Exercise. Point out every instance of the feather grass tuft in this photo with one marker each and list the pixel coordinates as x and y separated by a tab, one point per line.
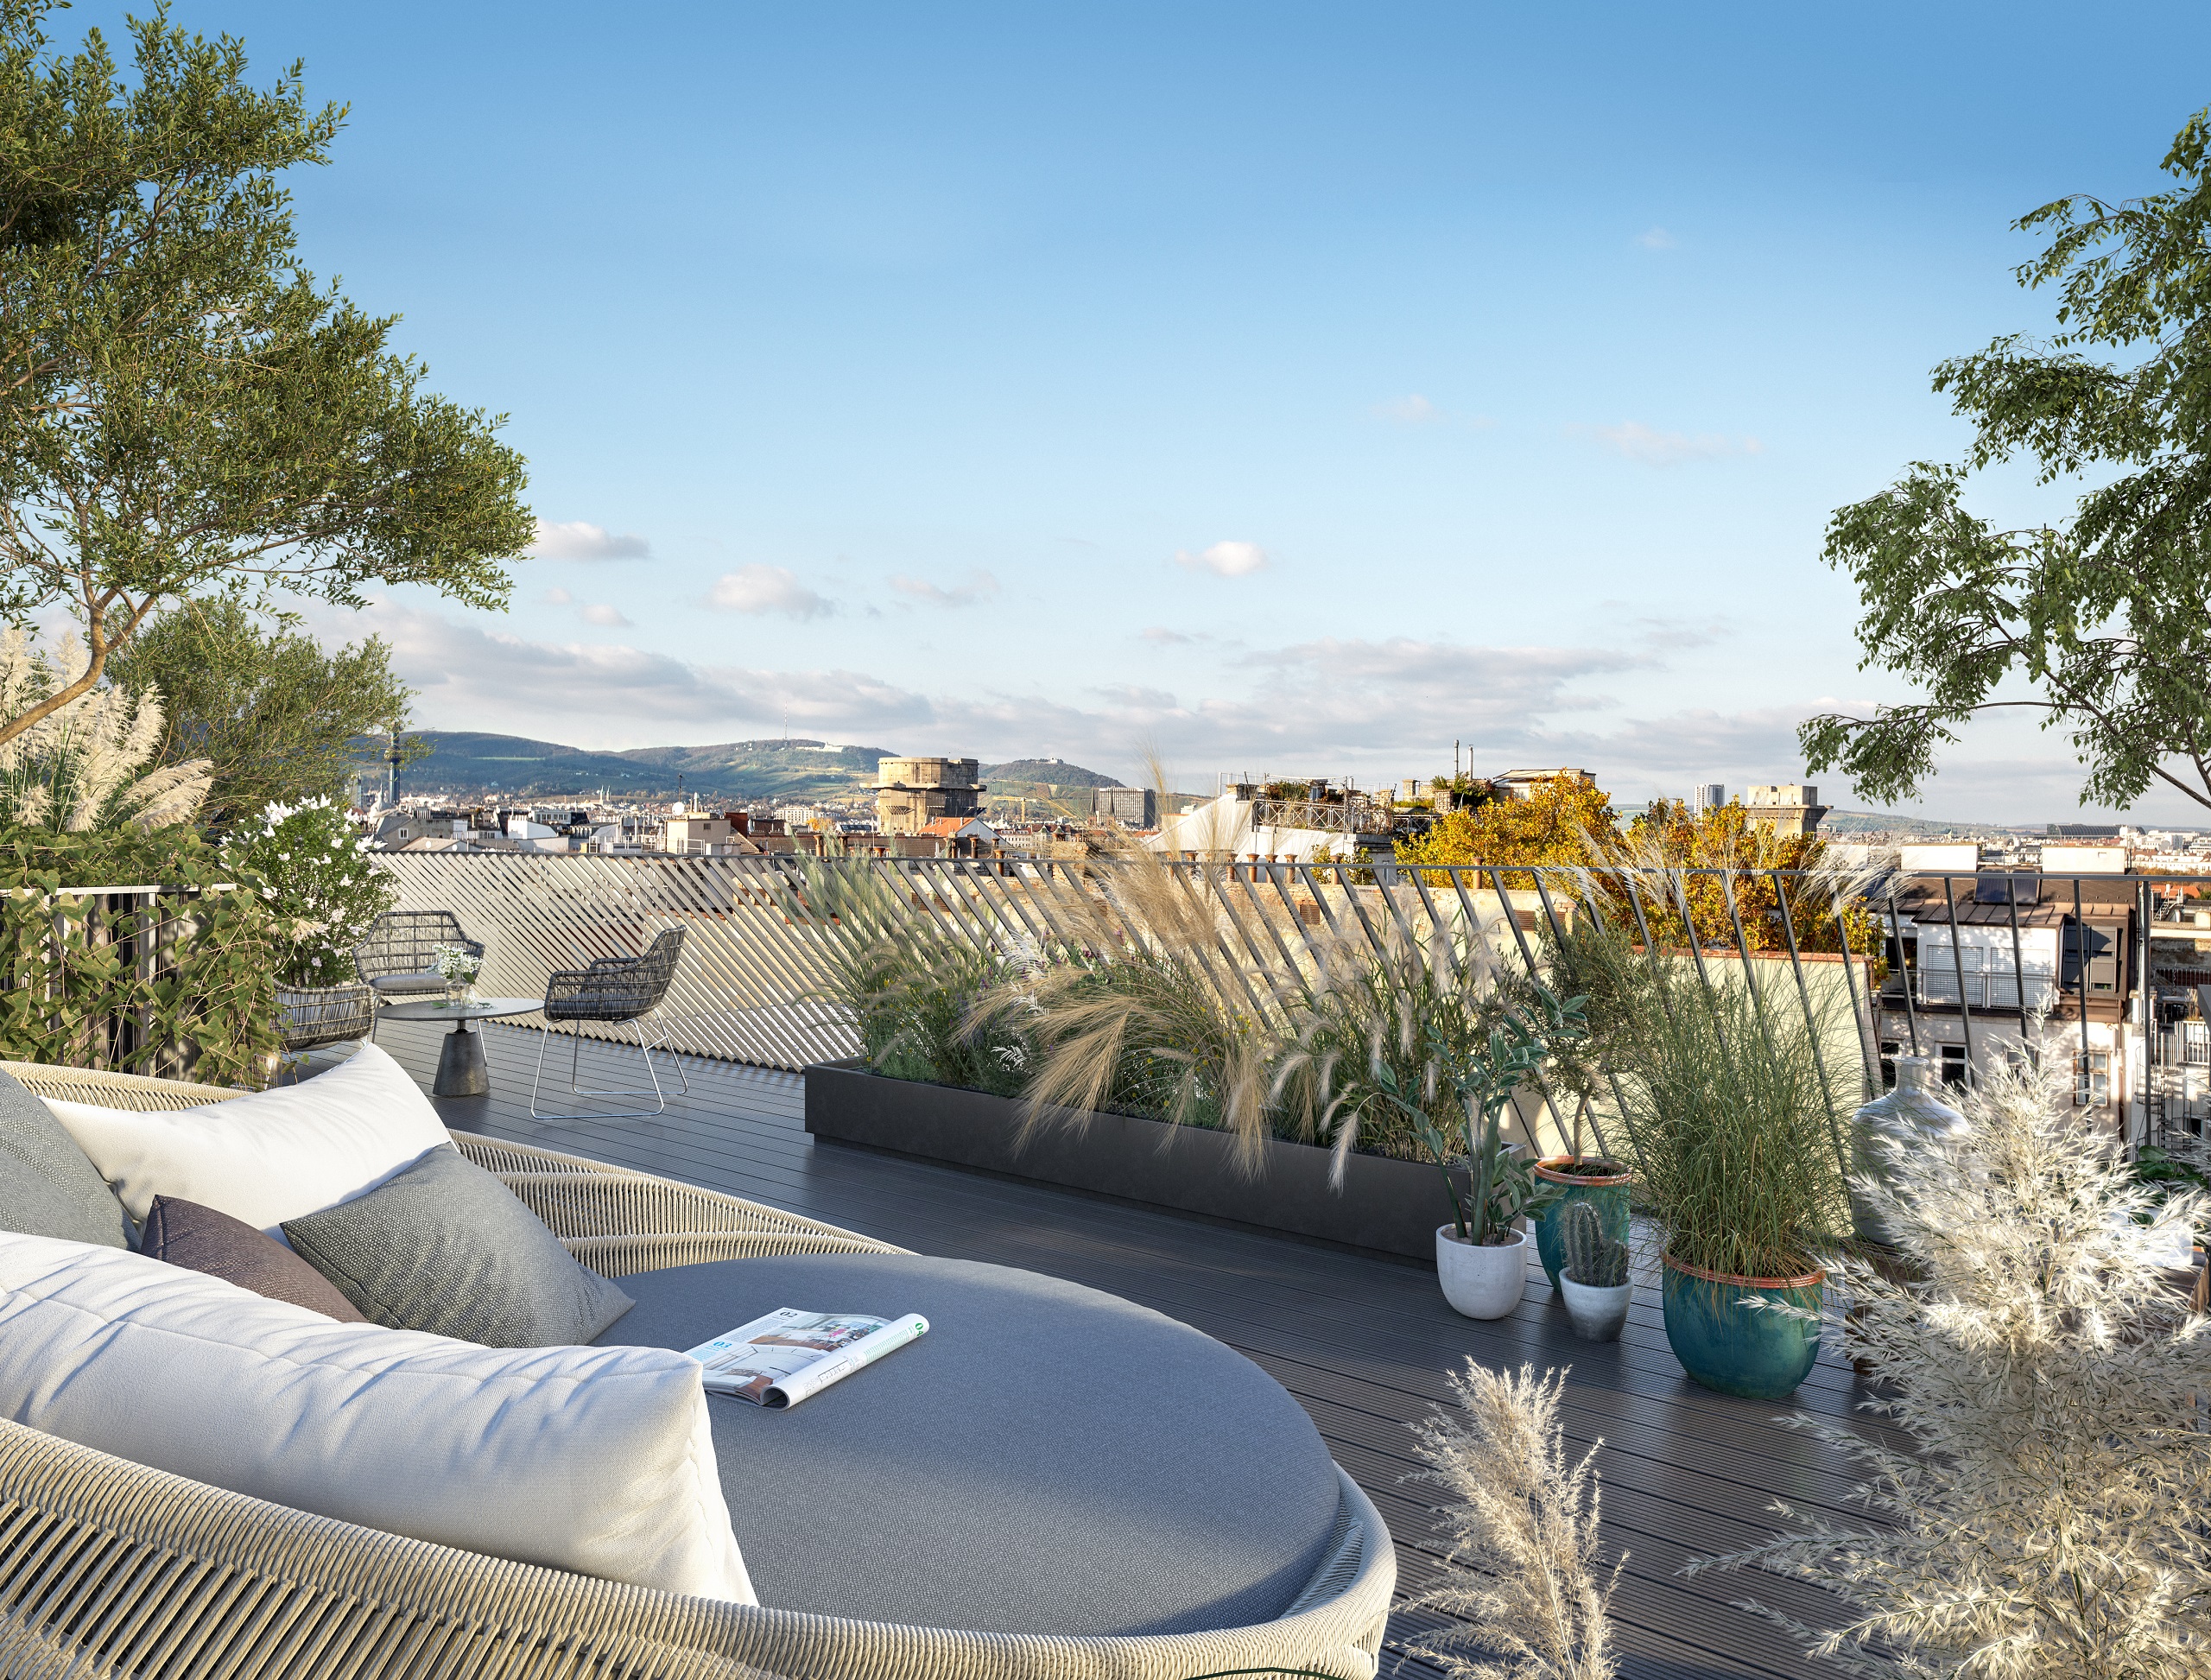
2051	1516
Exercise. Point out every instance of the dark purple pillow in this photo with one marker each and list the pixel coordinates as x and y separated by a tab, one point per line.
201	1240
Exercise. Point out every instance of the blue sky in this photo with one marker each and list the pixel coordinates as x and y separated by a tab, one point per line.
1288	389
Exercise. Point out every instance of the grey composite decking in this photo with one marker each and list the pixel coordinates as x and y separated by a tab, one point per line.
1364	1342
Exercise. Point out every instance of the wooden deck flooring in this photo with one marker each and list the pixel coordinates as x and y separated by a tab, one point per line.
1364	1342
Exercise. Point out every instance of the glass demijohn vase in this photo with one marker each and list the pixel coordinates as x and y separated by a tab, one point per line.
1911	1114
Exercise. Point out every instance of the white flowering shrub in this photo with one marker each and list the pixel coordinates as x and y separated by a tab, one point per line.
319	882
2049	1515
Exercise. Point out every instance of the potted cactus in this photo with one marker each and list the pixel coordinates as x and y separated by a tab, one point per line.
1594	1278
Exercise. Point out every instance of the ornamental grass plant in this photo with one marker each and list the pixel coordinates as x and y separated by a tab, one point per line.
82	765
1724	1115
2051	1515
906	983
1371	1033
1523	1527
1420	1039
1133	1008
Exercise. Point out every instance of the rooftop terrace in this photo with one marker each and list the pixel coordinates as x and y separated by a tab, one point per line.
1364	1342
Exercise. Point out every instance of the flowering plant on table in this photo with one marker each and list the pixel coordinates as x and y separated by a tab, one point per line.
458	967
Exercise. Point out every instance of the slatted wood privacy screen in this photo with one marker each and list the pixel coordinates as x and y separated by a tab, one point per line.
751	986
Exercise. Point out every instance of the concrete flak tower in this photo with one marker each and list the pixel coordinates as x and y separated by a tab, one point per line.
912	793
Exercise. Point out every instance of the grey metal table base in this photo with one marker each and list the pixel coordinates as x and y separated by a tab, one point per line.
461	1072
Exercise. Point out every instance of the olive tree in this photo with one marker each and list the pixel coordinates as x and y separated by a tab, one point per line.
185	410
2100	625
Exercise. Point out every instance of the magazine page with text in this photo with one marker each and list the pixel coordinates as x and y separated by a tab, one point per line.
782	1357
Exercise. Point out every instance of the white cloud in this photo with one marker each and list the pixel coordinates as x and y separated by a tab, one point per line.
1638	442
1227	560
558	597
1413	410
581	540
610	617
1166	638
758	589
1380	709
979	585
1656	238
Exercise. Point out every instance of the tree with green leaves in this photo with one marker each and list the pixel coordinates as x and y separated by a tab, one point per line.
2102	624
183	409
274	713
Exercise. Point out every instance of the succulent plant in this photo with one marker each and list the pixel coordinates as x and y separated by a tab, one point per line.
1593	1258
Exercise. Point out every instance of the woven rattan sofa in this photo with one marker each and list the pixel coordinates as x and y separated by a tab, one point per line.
110	1568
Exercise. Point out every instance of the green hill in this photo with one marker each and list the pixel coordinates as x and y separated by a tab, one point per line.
1019	775
463	764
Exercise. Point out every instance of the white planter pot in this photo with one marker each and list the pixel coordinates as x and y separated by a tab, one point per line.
1598	1314
1482	1280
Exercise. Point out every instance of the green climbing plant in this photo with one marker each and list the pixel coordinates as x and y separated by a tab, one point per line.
177	982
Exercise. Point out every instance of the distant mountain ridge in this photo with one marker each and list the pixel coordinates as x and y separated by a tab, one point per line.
468	764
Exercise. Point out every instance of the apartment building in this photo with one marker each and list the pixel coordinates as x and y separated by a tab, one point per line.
1983	966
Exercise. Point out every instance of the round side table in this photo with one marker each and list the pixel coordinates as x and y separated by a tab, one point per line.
461	1072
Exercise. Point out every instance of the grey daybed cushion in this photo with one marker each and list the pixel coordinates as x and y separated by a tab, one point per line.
49	1186
447	1249
1048	1459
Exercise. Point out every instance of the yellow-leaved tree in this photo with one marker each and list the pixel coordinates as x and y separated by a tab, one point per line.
1553	825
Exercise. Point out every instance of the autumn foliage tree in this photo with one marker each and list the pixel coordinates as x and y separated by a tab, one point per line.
1727	870
1553	826
1712	871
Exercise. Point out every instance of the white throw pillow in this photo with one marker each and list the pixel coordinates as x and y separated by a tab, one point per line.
268	1156
597	1460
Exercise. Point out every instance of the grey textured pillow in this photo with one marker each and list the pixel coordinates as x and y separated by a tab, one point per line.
48	1187
447	1248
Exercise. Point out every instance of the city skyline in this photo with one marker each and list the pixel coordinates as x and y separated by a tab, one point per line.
1261	386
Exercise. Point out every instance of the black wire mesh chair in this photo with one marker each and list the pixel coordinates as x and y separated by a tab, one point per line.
397	957
613	990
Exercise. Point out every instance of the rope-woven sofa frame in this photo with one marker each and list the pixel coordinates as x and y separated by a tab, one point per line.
108	1568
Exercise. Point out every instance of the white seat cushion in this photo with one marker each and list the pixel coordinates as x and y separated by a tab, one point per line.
269	1156
600	1461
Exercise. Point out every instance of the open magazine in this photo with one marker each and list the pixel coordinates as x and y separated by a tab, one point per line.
782	1357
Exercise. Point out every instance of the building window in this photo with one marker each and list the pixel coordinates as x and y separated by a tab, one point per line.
1954	1064
1889	1050
2091	1079
2195	1043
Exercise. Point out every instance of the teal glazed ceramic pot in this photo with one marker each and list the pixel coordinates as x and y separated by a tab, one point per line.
1736	1349
1608	1190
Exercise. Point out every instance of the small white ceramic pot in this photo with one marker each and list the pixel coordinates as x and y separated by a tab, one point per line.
1598	1314
1482	1280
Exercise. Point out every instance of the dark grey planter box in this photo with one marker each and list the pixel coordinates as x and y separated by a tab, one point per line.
1385	1204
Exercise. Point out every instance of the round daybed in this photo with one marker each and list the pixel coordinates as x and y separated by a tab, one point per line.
1130	1502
